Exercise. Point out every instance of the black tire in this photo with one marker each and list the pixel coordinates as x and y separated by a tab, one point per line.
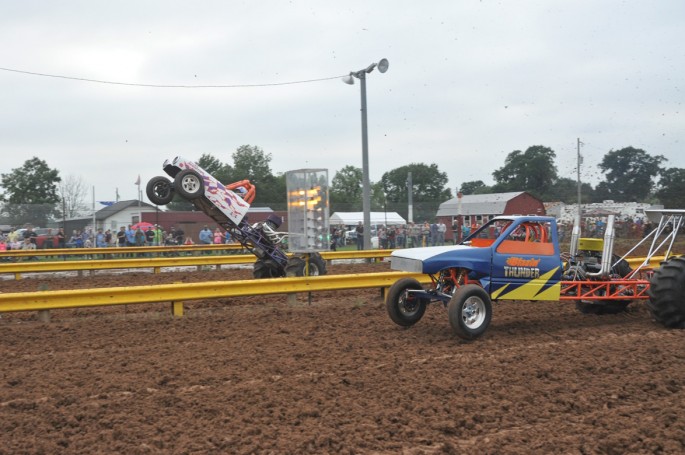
266	268
189	184
667	294
159	190
470	311
296	265
622	268
403	308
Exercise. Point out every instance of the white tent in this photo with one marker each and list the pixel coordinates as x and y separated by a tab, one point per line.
353	218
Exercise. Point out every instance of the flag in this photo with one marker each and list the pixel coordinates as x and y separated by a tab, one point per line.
107	203
117	194
138	181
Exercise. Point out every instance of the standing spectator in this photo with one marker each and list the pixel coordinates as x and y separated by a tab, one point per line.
108	237
335	238
219	237
100	241
130	236
76	239
150	236
360	236
433	234
206	236
455	231
401	236
139	238
121	236
392	237
441	233
383	237
61	240
415	234
425	233
30	234
179	236
465	231
159	236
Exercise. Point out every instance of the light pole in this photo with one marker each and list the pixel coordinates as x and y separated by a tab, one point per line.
366	185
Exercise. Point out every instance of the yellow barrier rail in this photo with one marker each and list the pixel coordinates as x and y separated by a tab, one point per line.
79	298
68	252
17	268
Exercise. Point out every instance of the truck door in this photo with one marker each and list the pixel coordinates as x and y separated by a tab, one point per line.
526	264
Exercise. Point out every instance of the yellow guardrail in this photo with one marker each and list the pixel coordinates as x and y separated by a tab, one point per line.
17	268
151	250
177	293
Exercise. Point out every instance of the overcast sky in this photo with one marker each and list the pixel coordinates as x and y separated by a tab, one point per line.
469	82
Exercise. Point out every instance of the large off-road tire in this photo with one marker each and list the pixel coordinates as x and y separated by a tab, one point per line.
159	190
296	265
403	308
470	311
667	293
266	268
188	184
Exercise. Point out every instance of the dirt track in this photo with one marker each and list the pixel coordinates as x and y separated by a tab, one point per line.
260	375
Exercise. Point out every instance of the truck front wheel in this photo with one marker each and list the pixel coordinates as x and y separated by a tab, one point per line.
189	184
470	311
405	308
159	190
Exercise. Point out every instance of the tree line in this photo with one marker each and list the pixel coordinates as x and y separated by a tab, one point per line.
36	194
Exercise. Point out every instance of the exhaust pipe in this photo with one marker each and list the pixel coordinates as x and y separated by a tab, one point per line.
575	237
607	251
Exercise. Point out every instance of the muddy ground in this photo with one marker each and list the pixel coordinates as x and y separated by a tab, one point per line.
261	375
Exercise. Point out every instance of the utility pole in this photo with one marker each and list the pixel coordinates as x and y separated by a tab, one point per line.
410	189
575	234
579	160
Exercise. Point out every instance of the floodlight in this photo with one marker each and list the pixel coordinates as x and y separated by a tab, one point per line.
348	79
383	65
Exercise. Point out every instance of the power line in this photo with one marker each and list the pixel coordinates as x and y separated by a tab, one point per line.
131	84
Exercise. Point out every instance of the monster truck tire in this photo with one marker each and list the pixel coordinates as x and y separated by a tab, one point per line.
470	311
266	268
159	190
404	309
188	184
667	294
296	266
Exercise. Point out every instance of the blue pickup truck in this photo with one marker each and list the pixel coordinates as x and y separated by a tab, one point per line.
519	258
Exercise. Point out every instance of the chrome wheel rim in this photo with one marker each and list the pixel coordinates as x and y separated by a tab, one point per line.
473	312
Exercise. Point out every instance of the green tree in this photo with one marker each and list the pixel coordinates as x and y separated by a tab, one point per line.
31	193
533	171
566	190
475	187
429	190
346	190
253	164
671	191
629	174
222	172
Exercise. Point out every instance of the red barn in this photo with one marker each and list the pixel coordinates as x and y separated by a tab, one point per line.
476	209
